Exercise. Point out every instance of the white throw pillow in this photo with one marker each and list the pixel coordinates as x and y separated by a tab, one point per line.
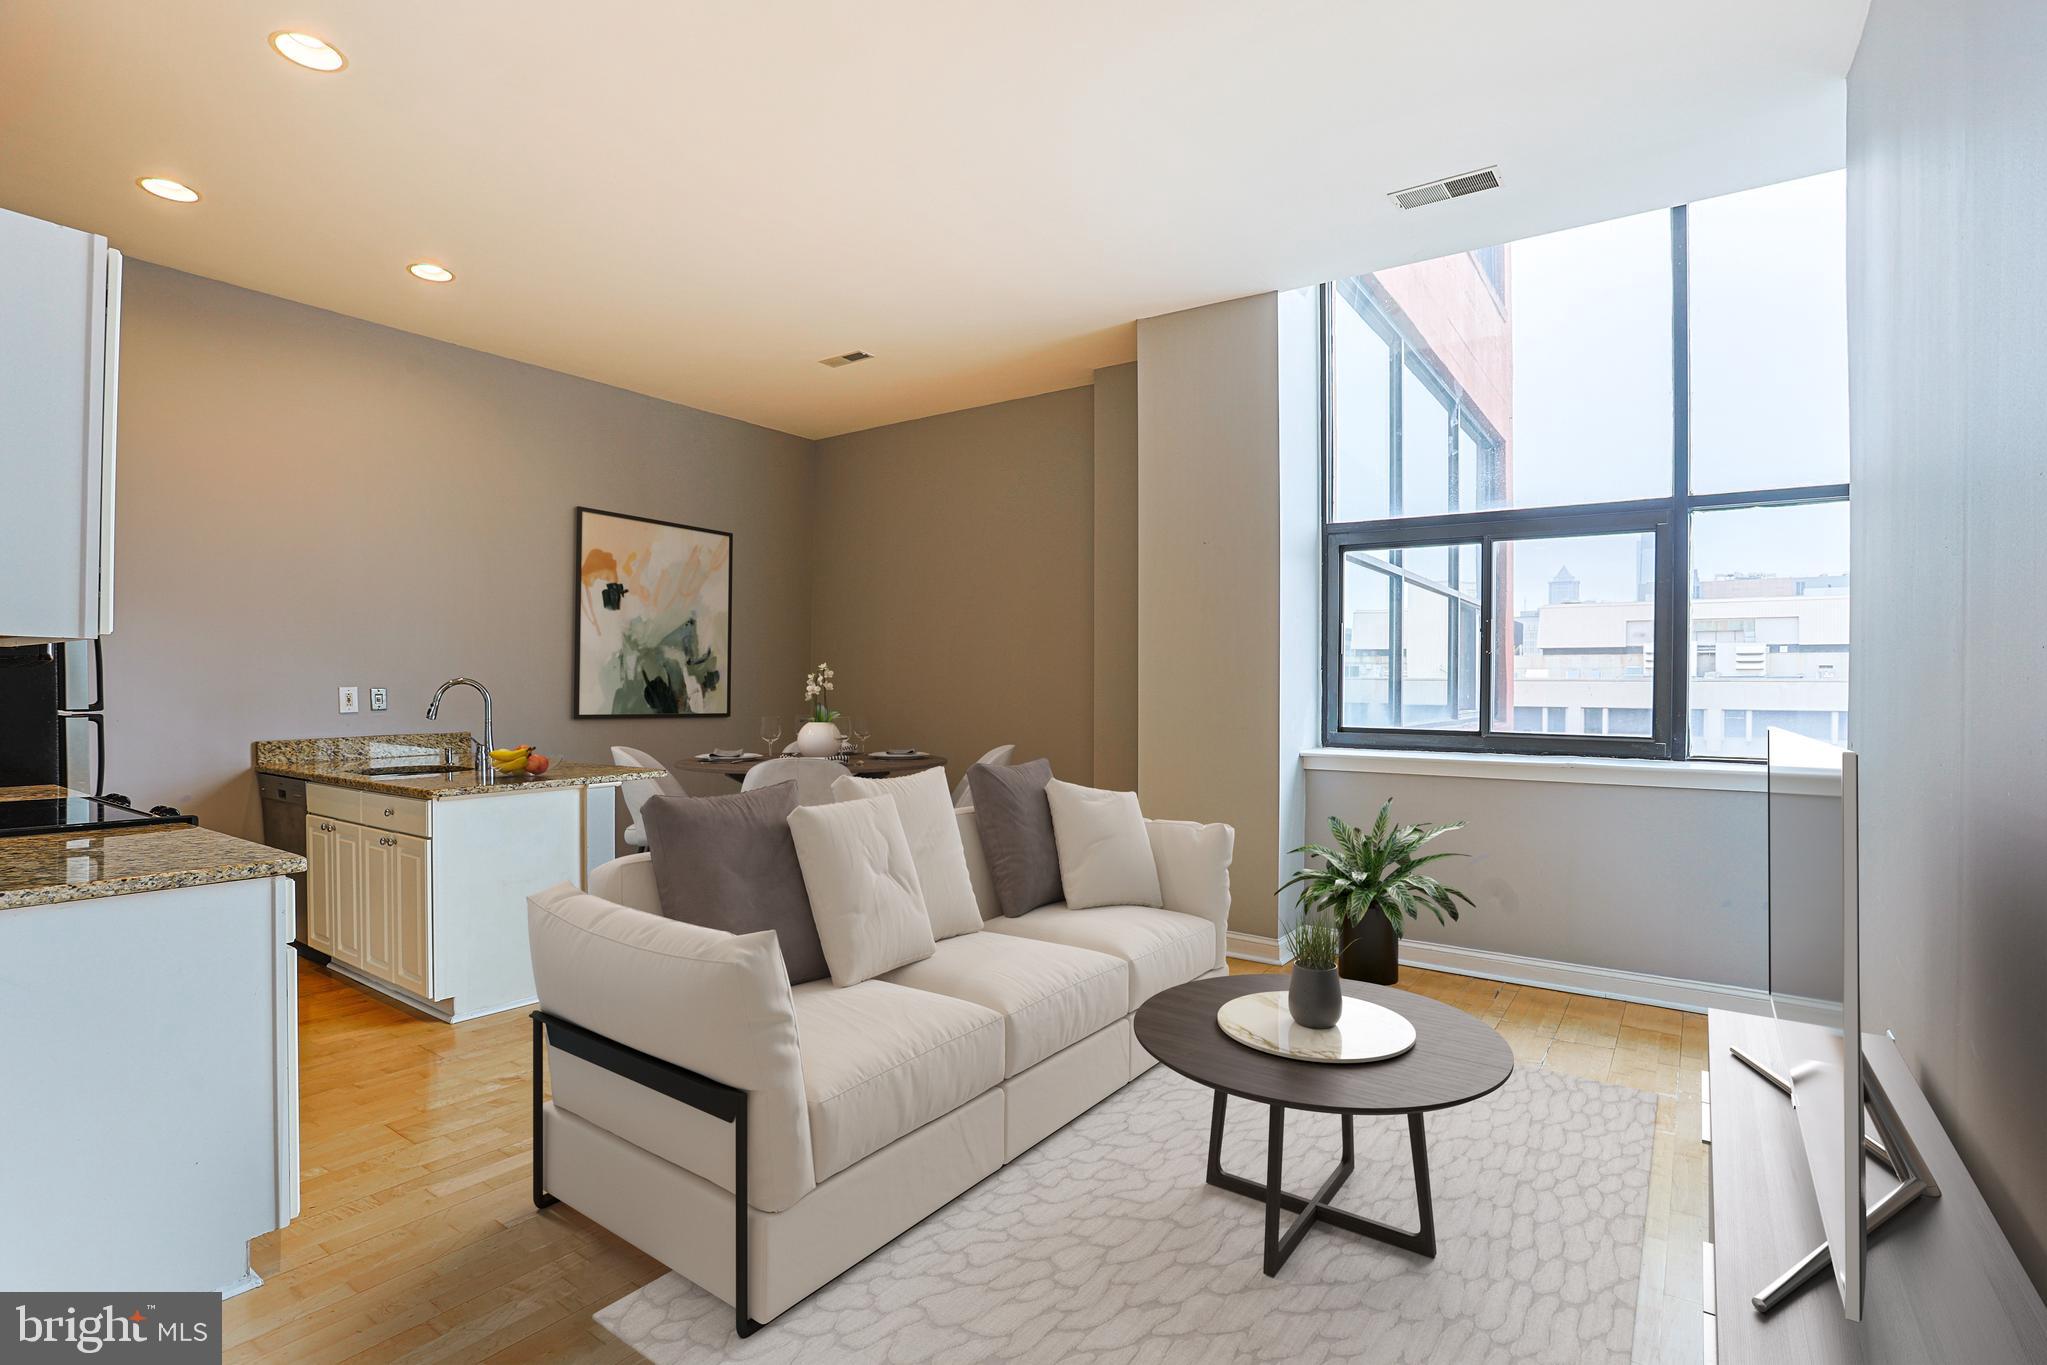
1104	853
863	888
924	802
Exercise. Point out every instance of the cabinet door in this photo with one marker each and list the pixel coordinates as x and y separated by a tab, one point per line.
320	884
378	873
412	899
59	312
348	892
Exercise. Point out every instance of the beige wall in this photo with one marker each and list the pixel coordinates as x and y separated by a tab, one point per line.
1115	594
955	580
308	500
1208	581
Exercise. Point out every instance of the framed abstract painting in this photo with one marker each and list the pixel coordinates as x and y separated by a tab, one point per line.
653	617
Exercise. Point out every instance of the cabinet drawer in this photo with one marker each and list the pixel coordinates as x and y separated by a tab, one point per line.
336	803
400	815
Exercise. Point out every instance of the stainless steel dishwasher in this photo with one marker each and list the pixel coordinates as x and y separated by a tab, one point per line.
284	826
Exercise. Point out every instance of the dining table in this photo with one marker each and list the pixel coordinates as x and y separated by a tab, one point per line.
860	765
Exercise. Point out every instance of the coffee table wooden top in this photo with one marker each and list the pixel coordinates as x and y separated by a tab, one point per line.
1455	1058
864	765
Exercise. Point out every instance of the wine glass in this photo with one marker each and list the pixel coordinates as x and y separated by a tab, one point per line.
860	734
771	735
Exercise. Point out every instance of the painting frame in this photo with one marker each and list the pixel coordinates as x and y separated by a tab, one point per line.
578	702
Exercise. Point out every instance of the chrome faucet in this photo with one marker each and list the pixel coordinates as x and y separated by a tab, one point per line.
483	747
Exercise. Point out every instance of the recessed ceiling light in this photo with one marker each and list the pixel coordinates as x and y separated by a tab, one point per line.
165	188
308	51
431	273
849	358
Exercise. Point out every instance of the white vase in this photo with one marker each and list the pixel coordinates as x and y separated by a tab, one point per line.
817	739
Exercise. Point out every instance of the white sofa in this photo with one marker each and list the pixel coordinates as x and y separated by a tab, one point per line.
685	1068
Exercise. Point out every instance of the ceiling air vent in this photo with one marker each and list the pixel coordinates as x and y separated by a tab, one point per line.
849	358
1455	187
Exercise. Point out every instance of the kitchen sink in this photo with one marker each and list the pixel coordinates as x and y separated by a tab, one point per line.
414	769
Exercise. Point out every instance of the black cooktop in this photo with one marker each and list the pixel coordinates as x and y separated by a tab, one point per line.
80	815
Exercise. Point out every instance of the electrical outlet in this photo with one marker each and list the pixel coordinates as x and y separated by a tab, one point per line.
380	700
348	702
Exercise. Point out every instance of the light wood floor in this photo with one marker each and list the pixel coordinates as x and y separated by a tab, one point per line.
418	1240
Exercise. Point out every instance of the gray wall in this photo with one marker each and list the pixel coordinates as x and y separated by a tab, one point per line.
307	500
955	579
1682	895
1947	232
1115	603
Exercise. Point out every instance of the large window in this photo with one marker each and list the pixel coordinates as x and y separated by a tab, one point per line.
1586	493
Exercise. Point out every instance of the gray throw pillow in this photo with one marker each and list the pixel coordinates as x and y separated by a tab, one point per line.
728	862
1015	822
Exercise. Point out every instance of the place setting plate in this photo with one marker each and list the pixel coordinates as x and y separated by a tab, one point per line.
1365	1033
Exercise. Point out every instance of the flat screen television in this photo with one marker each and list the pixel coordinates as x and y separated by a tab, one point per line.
1814	980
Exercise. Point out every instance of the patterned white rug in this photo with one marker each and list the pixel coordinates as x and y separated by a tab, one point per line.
1104	1243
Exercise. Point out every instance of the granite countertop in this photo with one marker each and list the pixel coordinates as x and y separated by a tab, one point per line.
50	869
353	761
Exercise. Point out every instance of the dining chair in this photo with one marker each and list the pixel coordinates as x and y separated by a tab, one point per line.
997	757
813	778
638	790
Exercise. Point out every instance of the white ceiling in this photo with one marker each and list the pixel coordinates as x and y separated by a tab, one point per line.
701	200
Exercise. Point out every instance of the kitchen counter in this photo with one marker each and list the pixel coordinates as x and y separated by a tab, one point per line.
354	763
50	869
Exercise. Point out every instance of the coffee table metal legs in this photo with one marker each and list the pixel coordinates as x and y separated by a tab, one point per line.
1277	1246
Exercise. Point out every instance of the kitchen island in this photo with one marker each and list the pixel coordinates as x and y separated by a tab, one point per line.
417	880
149	1056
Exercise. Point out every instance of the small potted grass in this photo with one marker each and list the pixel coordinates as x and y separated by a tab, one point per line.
1314	992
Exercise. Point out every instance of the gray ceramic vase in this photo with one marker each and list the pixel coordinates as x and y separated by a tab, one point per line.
1314	996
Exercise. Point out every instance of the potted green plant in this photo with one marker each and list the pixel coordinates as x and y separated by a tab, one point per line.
1314	992
1371	883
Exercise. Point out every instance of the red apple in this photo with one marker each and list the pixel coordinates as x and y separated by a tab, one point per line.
536	764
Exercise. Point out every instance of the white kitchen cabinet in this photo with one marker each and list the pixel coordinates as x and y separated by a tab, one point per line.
320	869
412	913
426	900
60	331
349	910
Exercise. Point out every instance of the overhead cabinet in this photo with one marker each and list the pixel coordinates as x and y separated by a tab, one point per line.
60	336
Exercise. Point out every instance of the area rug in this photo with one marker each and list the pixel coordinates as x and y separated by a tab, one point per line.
1105	1244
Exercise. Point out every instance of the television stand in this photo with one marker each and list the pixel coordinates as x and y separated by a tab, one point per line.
1890	1147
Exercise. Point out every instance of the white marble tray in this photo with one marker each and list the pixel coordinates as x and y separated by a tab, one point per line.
1365	1033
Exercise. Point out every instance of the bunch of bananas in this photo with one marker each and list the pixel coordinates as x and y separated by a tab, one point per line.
510	761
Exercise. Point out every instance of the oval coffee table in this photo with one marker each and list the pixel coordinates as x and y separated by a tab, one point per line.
1455	1060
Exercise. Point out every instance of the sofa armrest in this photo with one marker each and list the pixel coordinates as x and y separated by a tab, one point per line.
627	881
1194	872
717	1004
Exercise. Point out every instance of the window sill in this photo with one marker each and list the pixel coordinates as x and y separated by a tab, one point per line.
1692	774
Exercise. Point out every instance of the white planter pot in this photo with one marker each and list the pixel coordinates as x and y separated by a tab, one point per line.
818	739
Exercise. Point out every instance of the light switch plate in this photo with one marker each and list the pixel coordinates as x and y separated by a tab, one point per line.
380	700
348	702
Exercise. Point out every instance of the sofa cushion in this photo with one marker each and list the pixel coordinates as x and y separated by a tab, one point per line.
881	1060
932	827
1049	995
1161	947
1104	853
727	862
1015	822
864	892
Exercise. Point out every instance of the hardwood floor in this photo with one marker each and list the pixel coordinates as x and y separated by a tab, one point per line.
418	1240
1641	1046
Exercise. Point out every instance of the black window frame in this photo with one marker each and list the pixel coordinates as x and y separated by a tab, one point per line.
1667	518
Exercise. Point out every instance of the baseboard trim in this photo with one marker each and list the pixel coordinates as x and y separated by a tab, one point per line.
1256	948
1638	988
1611	983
